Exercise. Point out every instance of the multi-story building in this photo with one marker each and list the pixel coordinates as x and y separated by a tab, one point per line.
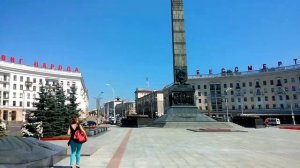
125	108
110	109
149	102
265	92
20	85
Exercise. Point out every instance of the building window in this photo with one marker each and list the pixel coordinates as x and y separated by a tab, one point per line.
199	93
245	99
41	81
246	107
266	98
287	97
21	87
14	94
204	86
21	104
264	82
273	98
21	95
258	99
34	80
232	99
205	93
293	80
295	96
199	100
232	92
274	106
244	84
34	96
267	106
271	82
205	100
286	89
28	79
296	105
34	88
252	99
28	95
231	85
293	88
250	84
265	90
233	107
240	107
259	106
68	84
28	104
15	77
272	90
13	115
15	86
21	78
225	85
285	80
14	103
280	97
200	107
281	106
239	99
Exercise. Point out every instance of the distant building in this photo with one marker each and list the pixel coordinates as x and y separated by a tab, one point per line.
149	103
110	108
125	108
20	85
264	92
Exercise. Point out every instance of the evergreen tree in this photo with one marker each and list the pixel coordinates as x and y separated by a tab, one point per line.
60	113
72	106
50	115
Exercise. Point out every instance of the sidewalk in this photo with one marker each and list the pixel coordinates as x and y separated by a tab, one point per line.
156	147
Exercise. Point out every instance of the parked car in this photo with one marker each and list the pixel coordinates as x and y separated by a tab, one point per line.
89	123
273	121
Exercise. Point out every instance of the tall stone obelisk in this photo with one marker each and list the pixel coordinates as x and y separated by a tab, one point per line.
178	38
179	103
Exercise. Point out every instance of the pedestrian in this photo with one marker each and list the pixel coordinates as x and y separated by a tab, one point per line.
75	145
266	122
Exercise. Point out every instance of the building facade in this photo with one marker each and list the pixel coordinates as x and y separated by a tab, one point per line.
268	91
149	103
20	85
125	108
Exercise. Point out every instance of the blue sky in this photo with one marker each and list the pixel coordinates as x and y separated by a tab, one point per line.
124	42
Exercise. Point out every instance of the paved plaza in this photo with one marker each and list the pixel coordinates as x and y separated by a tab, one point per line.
156	147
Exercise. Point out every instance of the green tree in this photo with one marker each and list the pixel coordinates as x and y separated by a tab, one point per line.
72	107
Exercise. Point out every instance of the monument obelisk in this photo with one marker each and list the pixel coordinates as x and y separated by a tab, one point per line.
179	98
178	39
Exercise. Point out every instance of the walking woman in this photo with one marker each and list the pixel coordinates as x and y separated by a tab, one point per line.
75	145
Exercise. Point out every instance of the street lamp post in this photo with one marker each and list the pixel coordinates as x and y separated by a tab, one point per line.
113	92
227	118
98	106
292	111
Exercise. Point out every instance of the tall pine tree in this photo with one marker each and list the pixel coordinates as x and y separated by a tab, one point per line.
72	107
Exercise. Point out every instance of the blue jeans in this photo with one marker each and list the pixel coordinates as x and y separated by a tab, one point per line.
75	153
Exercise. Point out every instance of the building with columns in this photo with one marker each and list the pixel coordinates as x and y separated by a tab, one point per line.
20	84
265	92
